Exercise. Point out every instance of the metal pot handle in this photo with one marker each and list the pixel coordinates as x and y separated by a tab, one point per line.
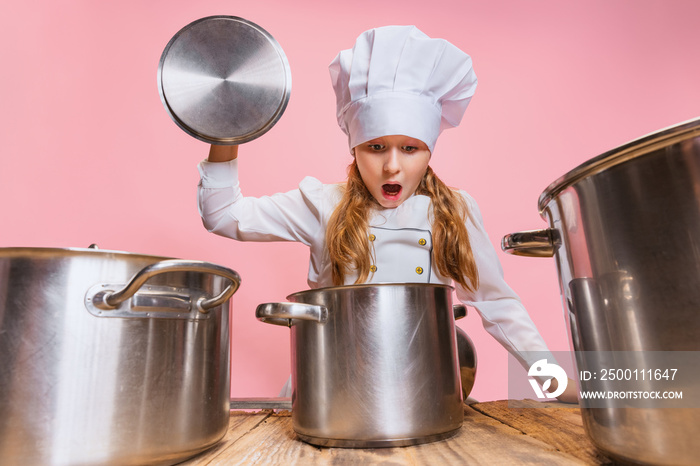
111	299
532	243
283	313
459	311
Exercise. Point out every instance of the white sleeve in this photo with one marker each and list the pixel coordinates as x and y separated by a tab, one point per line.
291	216
502	313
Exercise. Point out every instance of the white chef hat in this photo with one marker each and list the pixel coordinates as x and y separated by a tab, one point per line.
397	80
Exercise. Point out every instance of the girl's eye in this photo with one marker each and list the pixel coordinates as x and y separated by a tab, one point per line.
409	148
375	147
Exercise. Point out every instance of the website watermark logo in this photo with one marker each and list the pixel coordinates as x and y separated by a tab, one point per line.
543	369
607	379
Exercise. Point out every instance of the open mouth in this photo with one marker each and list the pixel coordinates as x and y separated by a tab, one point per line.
391	189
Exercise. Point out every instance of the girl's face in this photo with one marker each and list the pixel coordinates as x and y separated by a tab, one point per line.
392	167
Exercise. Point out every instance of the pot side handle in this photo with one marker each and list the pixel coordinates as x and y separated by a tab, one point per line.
284	313
459	311
532	243
112	299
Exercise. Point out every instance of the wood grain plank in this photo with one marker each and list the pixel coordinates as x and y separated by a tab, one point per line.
273	442
557	424
240	424
481	440
484	440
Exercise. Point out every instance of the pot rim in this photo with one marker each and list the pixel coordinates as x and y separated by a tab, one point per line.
631	150
14	252
370	285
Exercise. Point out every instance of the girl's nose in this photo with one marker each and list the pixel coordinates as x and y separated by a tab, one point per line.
391	163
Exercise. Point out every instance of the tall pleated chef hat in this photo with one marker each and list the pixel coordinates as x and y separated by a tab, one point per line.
397	80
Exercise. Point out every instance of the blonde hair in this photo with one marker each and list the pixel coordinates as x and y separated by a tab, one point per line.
348	239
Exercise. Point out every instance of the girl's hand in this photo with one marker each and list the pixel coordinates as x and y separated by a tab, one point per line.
569	395
222	153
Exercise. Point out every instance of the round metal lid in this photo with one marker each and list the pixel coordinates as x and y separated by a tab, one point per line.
224	80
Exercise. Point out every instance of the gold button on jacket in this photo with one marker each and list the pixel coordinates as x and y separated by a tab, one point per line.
401	255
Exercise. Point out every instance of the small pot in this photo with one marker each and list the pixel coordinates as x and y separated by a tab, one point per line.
373	365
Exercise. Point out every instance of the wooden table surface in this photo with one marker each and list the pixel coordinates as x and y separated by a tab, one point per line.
498	432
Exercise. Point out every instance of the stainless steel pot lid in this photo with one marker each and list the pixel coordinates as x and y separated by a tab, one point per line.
224	80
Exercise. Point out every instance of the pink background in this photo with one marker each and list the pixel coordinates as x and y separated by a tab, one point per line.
89	155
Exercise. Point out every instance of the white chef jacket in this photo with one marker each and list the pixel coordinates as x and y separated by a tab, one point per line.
401	238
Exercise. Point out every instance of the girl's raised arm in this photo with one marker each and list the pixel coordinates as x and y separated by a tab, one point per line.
222	153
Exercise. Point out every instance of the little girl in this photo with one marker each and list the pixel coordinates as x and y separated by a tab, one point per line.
393	220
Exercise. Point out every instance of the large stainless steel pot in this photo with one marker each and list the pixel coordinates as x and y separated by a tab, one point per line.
111	358
372	365
624	229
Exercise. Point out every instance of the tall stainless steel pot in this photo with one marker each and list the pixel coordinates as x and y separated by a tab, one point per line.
111	358
624	229
372	365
